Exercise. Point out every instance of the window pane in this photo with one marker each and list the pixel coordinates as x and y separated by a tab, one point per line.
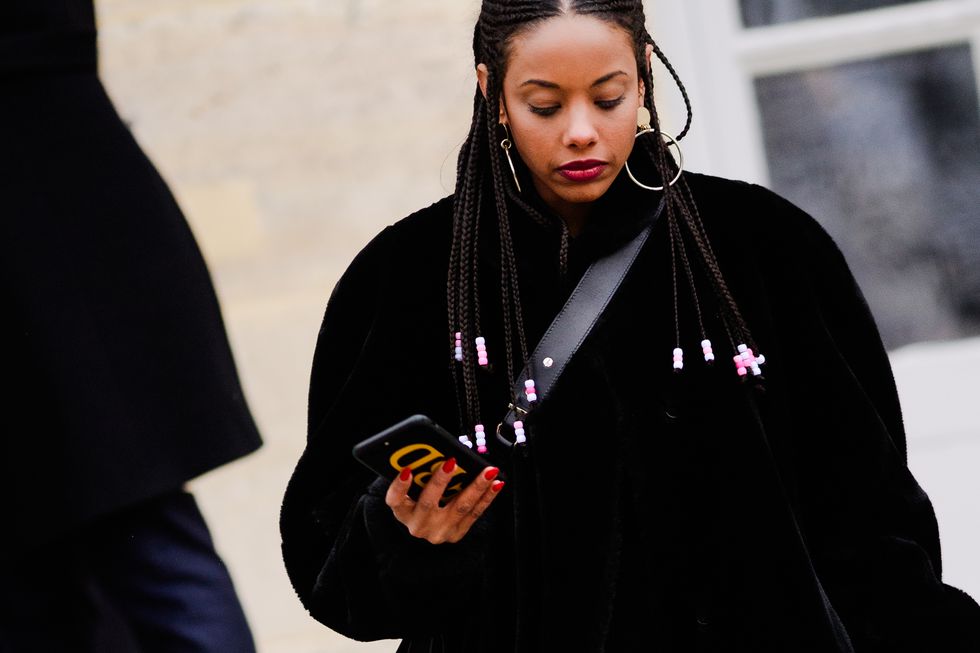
886	154
758	13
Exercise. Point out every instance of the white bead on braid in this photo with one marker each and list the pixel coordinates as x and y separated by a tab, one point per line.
459	346
709	354
481	352
747	360
678	358
530	391
481	439
519	435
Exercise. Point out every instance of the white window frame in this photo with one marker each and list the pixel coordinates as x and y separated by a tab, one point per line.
719	59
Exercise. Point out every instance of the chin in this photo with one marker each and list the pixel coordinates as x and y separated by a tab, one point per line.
585	193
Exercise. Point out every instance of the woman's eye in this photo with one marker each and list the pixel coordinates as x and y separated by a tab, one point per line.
610	104
543	111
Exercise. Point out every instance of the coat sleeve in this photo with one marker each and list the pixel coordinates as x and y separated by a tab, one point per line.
353	565
870	529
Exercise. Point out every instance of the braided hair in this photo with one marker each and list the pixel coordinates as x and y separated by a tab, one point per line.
481	178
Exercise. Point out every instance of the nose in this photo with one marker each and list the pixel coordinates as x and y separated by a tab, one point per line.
580	132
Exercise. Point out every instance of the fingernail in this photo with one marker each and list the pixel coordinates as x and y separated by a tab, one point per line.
497	487
449	466
491	473
405	475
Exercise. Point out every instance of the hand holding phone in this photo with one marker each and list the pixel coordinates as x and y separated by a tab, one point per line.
439	486
430	520
419	444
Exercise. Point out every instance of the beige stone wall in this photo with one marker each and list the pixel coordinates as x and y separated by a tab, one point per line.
291	131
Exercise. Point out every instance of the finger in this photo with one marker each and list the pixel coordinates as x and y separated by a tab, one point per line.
466	500
429	499
481	505
397	496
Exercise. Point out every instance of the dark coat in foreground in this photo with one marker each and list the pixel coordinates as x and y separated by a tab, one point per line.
669	512
120	384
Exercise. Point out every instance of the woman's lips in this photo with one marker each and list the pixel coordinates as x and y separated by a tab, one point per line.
584	170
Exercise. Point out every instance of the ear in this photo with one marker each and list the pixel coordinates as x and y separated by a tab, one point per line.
482	73
649	53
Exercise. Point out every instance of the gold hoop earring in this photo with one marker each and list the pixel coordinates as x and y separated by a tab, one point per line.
505	145
643	123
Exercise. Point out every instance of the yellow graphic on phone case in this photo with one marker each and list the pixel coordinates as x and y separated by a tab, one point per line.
420	455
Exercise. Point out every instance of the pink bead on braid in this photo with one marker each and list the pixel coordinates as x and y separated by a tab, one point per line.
481	439
678	359
481	352
746	360
519	435
530	391
709	354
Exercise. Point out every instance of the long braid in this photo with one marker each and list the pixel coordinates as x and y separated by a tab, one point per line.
465	305
510	287
680	86
692	284
704	245
681	196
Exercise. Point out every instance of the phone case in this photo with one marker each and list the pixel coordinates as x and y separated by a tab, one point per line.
424	446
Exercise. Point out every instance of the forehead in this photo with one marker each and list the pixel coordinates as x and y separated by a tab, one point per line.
570	50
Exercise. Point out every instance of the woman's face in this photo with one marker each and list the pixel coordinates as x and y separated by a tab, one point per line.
570	96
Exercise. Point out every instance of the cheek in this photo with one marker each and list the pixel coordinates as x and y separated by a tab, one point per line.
622	139
534	146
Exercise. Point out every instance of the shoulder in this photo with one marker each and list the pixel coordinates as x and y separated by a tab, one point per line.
745	205
432	222
745	215
405	248
424	230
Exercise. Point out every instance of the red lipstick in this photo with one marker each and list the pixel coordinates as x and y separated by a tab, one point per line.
582	170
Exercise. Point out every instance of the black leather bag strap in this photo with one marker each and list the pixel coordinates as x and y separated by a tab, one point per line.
570	328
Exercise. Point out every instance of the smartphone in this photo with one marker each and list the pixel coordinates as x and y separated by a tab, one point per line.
422	445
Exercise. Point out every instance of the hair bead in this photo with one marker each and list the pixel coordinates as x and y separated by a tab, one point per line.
709	354
530	391
747	360
481	438
678	358
481	352
519	435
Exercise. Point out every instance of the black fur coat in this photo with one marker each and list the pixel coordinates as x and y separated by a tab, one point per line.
672	512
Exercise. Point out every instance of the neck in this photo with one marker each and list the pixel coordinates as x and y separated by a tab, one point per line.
575	216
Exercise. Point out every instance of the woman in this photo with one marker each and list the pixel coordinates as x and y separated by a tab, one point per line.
678	506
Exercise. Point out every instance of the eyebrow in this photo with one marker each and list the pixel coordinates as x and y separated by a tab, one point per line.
546	84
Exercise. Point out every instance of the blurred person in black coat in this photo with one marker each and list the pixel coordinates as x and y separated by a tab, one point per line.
120	380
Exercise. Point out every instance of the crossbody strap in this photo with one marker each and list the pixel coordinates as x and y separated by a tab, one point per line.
569	329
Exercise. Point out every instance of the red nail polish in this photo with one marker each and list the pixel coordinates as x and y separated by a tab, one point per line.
405	475
491	473
449	466
497	487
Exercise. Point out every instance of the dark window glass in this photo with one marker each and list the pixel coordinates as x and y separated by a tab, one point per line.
885	153
758	13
